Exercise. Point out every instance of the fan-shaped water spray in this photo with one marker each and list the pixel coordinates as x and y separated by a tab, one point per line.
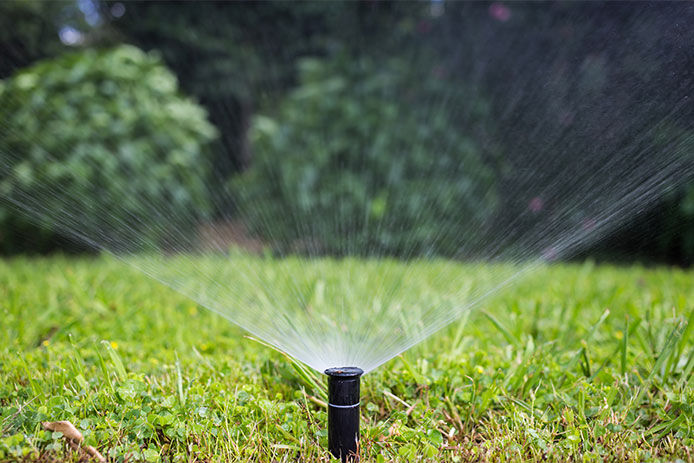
483	150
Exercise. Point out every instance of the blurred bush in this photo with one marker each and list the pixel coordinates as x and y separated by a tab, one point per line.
103	140
361	171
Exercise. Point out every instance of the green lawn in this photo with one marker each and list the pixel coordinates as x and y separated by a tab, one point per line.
577	362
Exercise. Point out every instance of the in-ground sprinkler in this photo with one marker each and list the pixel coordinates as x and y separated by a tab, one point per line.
343	412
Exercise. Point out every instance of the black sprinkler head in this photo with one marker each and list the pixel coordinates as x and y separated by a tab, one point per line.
343	412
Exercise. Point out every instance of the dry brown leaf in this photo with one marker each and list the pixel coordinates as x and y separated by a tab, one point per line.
74	438
68	429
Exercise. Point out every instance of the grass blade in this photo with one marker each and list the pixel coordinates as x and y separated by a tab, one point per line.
504	331
625	346
115	359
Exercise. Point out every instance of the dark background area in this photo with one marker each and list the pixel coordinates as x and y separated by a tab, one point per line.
237	58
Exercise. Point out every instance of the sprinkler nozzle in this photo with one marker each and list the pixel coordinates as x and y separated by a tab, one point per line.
343	412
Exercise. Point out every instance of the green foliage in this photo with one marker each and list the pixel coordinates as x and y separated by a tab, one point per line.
237	56
542	373
102	135
29	31
361	171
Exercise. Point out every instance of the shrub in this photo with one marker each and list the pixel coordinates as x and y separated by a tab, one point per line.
364	158
100	144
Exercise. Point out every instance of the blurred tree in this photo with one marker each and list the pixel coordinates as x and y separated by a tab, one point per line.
567	68
28	32
101	144
363	174
237	57
556	63
31	30
565	89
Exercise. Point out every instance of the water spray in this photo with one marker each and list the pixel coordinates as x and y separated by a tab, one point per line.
343	412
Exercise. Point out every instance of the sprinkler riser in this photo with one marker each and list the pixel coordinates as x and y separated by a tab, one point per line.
343	412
